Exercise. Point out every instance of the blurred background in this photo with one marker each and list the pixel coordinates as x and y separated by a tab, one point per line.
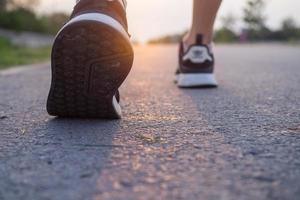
27	27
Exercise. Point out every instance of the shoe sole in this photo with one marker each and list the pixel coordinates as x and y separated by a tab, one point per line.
196	80
90	61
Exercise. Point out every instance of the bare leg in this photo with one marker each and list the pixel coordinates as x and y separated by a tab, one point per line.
204	15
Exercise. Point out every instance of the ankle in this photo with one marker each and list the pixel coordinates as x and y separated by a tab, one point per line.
191	38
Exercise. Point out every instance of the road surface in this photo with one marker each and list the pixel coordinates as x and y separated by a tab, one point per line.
240	141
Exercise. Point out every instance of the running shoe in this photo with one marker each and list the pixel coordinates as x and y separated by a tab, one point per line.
91	57
196	66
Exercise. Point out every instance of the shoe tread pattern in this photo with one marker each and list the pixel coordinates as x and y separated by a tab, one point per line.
89	63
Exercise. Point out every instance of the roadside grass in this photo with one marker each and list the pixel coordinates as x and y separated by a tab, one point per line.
11	55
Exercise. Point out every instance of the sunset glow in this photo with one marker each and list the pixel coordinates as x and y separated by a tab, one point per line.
150	19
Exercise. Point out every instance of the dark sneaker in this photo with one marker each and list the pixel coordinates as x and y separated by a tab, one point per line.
91	57
196	66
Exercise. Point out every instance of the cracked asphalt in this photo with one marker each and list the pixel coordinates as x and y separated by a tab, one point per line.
240	141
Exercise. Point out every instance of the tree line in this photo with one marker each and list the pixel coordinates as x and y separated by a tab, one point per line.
254	28
19	15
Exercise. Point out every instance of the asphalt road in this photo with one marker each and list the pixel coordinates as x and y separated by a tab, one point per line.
238	142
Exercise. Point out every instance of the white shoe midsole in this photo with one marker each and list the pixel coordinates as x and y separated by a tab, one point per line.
101	18
190	80
117	106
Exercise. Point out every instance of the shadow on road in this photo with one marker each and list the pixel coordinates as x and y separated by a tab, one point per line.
76	151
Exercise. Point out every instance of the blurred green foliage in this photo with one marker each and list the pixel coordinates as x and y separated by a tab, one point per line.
225	35
21	19
12	55
13	4
255	28
254	18
19	15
